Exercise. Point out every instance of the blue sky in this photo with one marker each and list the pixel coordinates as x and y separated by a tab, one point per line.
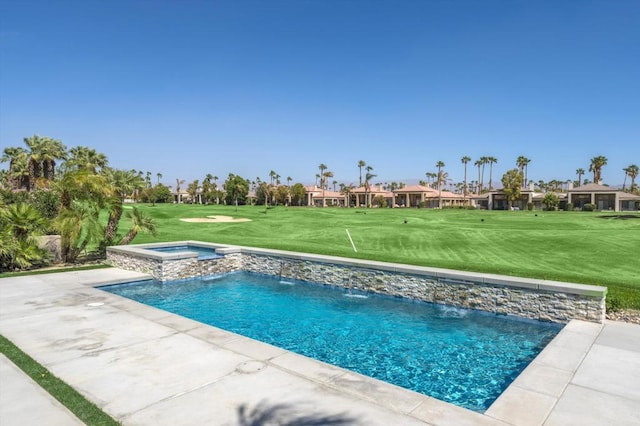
186	88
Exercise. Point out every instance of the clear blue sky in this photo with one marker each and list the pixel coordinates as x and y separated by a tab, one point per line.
190	87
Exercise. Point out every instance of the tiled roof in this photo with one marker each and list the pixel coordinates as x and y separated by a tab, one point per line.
593	187
414	189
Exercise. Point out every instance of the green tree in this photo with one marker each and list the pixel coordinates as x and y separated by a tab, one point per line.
632	171
551	200
440	165
50	151
523	164
367	187
512	185
18	173
79	226
479	165
140	222
236	189
82	158
361	164
597	163
192	190
464	161
491	161
322	167
298	193
121	184
580	173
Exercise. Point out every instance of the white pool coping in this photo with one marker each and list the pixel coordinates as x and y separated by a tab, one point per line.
143	365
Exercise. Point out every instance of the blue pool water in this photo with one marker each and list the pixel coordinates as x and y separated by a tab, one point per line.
203	252
460	356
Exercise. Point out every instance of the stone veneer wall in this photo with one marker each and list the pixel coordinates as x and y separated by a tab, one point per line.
553	306
175	269
503	298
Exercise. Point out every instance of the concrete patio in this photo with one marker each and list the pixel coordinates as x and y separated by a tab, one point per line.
145	366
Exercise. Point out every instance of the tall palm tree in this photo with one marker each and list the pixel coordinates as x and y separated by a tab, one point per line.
596	167
289	179
178	183
50	151
367	177
632	170
580	173
626	175
158	177
35	145
491	161
272	176
523	163
322	168
464	161
84	158
361	164
18	164
479	164
215	187
440	165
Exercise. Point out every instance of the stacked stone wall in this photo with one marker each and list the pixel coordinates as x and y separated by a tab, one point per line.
500	299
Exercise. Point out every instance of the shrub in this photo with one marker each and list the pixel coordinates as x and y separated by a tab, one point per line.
569	207
529	206
589	207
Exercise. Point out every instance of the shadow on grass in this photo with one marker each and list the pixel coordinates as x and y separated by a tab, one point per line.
620	216
288	415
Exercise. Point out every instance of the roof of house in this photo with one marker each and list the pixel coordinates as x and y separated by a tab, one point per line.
414	189
593	187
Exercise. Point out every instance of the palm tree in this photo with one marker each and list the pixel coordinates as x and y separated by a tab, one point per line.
158	177
35	144
215	187
632	171
368	176
361	164
491	161
272	176
50	151
523	164
178	183
83	158
121	184
580	172
440	165
464	161
140	222
289	179
334	185
596	167
18	164
626	174
322	168
479	164
79	225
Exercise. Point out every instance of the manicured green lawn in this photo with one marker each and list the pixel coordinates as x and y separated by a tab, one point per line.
583	247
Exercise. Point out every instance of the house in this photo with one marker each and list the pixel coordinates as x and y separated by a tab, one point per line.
603	197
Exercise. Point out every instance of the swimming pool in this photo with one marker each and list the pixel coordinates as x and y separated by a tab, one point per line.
460	356
203	252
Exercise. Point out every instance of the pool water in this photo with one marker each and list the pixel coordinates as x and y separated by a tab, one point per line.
203	252
460	356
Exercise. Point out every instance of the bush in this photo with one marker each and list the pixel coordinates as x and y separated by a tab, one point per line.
589	207
529	206
46	202
569	207
550	209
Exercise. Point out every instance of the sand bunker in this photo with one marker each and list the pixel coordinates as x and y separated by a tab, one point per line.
214	219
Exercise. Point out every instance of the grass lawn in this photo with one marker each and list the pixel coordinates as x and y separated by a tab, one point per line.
582	247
